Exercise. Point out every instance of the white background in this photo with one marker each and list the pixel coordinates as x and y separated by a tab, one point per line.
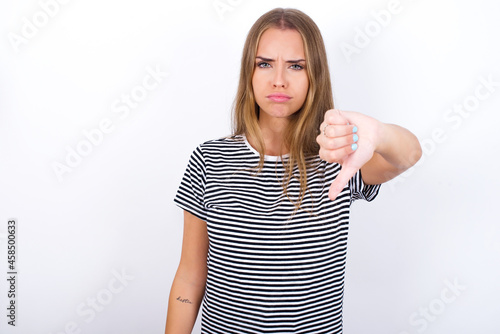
113	212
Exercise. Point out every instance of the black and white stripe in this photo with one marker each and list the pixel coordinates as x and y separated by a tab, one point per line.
269	271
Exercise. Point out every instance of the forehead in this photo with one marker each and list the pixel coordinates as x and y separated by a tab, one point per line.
281	43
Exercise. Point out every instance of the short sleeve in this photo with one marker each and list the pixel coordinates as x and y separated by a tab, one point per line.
360	190
191	193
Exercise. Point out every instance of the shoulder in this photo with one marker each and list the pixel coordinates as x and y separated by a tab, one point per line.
222	142
221	145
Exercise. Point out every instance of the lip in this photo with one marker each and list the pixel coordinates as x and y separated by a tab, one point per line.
278	97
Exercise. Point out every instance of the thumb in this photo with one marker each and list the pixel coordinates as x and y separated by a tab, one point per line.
343	177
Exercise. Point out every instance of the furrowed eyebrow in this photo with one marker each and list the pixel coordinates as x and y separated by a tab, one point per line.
264	59
288	61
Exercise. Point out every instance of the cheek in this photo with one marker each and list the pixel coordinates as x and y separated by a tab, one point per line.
256	92
256	82
304	87
257	87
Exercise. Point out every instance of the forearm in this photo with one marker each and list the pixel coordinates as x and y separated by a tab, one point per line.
398	146
396	149
359	142
183	305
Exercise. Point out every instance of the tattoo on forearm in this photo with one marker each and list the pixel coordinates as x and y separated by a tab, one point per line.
185	300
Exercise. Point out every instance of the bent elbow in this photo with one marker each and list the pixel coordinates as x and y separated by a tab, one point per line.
415	154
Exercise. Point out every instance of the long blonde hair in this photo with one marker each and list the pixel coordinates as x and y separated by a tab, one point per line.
300	135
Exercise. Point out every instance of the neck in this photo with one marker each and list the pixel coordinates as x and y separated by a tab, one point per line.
273	130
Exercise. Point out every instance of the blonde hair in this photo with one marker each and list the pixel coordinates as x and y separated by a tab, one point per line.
300	136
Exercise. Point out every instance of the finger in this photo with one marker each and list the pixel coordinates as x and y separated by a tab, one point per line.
338	142
337	155
343	177
347	131
333	130
336	116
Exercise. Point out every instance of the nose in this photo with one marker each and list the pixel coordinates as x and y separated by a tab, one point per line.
279	80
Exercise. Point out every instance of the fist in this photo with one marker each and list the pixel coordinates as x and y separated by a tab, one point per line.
348	138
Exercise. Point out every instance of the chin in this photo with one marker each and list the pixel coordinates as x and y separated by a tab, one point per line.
280	112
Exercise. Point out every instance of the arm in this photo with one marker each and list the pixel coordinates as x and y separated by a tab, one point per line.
356	141
397	149
188	286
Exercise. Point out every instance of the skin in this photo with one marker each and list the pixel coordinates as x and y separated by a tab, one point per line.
280	68
383	152
190	278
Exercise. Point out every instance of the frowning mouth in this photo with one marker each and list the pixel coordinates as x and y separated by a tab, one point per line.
279	97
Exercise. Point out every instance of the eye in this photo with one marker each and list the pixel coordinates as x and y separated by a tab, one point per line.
263	64
297	67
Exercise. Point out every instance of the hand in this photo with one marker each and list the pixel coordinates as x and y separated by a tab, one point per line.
350	139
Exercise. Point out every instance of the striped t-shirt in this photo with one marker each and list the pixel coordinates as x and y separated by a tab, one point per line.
269	270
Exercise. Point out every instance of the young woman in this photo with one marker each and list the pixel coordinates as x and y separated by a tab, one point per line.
266	210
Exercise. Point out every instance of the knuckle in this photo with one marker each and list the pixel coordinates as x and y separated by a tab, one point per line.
322	154
331	144
333	156
325	143
330	131
326	155
330	116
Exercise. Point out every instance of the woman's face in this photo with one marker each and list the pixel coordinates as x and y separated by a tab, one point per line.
280	80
